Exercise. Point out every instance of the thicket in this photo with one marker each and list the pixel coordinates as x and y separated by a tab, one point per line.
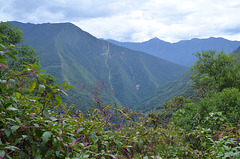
35	122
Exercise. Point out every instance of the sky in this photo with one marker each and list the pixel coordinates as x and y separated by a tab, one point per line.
133	20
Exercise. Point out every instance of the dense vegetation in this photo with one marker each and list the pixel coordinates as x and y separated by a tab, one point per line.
35	122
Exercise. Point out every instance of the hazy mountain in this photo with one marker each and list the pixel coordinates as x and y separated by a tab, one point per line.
75	56
180	52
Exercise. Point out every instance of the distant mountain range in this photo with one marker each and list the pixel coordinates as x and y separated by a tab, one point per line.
74	56
182	51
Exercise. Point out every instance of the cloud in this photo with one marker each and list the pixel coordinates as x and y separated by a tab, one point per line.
168	20
139	20
66	10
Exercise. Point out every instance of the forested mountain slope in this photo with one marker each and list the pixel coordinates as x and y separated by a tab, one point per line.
74	56
166	92
237	51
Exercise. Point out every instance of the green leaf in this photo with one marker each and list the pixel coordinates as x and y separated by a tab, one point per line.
46	136
58	99
13	148
33	85
48	155
69	86
43	148
22	154
48	96
14	99
118	143
57	153
18	120
25	66
13	57
10	119
55	144
24	136
11	108
79	130
45	113
2	47
14	128
64	93
41	88
112	156
17	95
54	119
34	150
64	84
94	136
2	153
220	149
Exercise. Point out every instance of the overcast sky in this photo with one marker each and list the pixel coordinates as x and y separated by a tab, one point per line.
134	20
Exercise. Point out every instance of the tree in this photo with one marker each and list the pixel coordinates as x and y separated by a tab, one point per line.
24	53
213	72
216	82
172	106
10	34
221	108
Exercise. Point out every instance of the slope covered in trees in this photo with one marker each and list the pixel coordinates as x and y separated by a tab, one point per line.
76	57
180	87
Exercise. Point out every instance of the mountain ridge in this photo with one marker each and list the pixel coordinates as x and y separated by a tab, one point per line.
180	52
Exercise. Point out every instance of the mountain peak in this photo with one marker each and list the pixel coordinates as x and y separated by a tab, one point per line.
155	40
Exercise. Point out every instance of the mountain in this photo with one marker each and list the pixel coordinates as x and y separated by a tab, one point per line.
96	67
182	51
180	87
237	51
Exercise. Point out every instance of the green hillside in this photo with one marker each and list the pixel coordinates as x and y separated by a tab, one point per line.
237	51
166	92
76	57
